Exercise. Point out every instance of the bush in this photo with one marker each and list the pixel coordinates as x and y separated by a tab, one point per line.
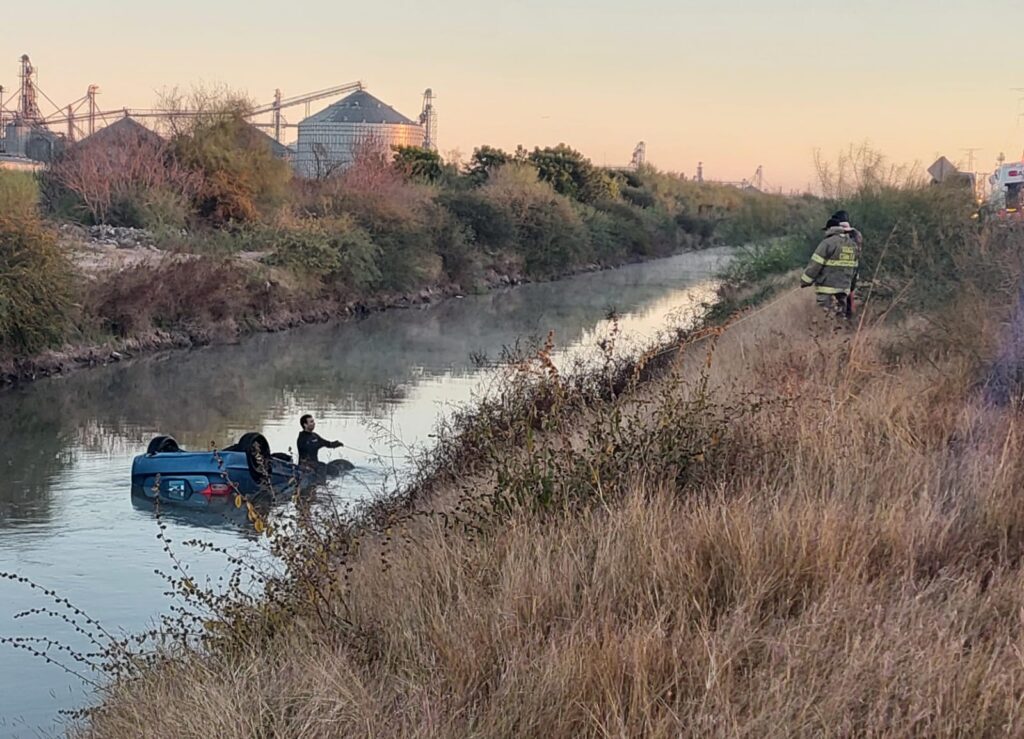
19	194
35	287
158	209
756	261
358	255
759	216
240	179
638	196
192	294
399	228
306	250
488	220
336	251
606	246
124	177
552	237
455	244
643	233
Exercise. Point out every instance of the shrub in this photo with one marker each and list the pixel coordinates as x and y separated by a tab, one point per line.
35	287
756	261
336	251
455	244
158	209
641	233
638	196
396	223
357	253
488	220
551	236
306	249
603	232
124	177
19	194
758	216
191	294
240	179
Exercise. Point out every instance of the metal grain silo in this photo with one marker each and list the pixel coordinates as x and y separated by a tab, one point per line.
329	140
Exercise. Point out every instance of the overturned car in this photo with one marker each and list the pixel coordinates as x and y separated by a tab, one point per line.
199	479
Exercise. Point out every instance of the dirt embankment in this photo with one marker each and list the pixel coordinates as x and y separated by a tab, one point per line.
148	300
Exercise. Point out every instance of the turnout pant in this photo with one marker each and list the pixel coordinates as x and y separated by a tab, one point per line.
835	303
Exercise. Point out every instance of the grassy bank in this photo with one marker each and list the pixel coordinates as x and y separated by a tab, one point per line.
242	245
790	529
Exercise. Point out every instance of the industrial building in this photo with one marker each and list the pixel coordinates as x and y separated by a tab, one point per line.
330	140
327	141
25	135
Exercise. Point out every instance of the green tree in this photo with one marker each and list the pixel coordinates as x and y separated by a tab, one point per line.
418	163
485	160
573	175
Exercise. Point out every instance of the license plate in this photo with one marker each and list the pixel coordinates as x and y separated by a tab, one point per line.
177	489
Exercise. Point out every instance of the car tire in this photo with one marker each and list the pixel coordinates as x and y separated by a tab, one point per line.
257	455
162	444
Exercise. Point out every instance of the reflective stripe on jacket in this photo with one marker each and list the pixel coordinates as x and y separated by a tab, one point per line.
833	266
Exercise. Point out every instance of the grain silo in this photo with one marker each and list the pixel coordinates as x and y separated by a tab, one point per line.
329	140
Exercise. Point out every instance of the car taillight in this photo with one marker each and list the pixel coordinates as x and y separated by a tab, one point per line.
216	489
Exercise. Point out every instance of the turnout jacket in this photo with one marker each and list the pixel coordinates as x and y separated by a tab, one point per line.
833	266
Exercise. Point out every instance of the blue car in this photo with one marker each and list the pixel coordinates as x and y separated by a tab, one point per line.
201	479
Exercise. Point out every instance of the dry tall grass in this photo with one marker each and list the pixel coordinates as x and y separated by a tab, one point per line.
848	565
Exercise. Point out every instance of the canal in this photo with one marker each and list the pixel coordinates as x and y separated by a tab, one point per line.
68	521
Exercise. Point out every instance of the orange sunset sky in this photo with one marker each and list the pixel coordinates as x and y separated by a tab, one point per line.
733	84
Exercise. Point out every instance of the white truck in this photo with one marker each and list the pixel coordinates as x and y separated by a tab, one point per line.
1007	199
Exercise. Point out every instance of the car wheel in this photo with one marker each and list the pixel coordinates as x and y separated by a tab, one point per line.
257	455
162	444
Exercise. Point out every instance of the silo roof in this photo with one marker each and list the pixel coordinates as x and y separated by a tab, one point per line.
121	129
360	107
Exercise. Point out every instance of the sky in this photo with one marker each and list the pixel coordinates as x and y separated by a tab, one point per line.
730	83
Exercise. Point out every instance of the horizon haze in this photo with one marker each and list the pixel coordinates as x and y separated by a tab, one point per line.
732	85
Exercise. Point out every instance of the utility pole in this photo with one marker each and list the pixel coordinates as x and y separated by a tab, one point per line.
91	95
970	157
1020	99
277	115
970	169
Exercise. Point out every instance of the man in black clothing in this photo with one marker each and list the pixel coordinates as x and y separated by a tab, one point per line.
310	443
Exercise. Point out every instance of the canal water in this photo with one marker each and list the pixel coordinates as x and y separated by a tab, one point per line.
69	523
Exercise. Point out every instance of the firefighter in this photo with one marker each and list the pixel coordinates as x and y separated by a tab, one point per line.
833	267
843	218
